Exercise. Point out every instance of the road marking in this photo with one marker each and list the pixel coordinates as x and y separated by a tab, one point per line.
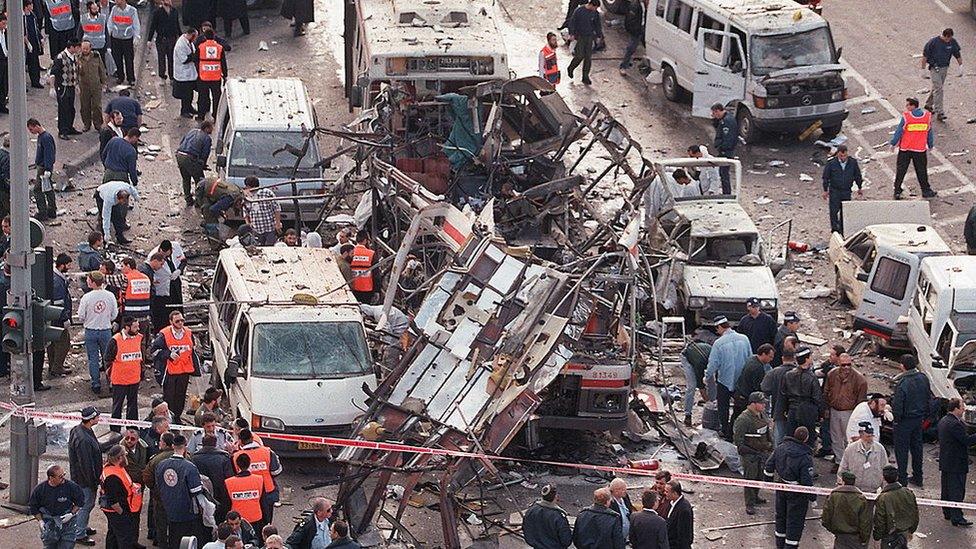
883	125
941	168
860	100
943	7
952	220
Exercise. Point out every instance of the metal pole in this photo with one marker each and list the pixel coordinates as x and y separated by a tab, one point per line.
20	257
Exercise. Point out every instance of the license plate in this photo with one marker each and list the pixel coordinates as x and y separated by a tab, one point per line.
312	446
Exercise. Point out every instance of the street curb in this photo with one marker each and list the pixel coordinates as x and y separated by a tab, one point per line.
89	157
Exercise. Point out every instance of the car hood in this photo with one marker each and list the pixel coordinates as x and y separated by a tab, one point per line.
730	283
806	69
311	403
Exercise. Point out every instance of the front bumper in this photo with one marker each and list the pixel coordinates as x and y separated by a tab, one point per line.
799	121
306	449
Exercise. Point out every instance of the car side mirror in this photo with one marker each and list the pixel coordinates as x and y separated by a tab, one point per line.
863	277
356	96
221	161
840	50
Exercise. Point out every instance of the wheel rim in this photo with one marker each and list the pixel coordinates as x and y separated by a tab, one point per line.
669	84
745	127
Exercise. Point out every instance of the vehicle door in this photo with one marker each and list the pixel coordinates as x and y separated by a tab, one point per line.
855	258
776	246
719	76
888	292
238	366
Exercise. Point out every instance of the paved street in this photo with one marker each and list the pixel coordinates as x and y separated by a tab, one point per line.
880	40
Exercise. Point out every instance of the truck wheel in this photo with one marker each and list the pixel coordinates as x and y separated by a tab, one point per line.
669	83
747	126
618	7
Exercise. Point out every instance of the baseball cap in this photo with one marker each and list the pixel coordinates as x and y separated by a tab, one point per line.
89	413
791	316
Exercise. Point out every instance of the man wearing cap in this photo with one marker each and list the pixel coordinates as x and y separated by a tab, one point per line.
757	325
843	389
954	445
729	354
791	462
751	378
791	323
85	465
840	174
895	512
910	405
96	311
772	387
847	515
545	525
866	458
801	396
752	438
180	489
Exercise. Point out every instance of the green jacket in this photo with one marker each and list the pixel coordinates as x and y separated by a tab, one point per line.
751	433
895	511
847	512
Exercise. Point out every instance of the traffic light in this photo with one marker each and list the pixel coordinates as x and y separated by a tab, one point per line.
47	326
13	330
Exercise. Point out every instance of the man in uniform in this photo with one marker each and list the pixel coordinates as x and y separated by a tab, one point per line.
752	438
180	491
757	325
847	515
954	445
726	138
912	139
123	364
792	463
214	197
801	395
910	404
791	323
211	71
246	490
545	525
121	501
265	464
895	512
771	386
729	354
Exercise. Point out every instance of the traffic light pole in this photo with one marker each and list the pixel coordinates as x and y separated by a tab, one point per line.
23	467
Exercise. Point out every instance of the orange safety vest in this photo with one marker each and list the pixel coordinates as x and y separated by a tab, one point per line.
182	364
127	367
915	135
210	53
260	465
132	489
362	260
137	292
549	65
245	496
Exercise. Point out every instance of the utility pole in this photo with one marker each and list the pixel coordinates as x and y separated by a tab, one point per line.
23	464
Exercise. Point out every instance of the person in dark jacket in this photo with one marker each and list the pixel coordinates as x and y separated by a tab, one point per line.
910	405
694	361
231	10
585	27
681	518
954	446
597	527
57	351
752	438
301	11
340	537
648	530
165	27
50	502
726	138
839	175
969	231
44	160
634	27
34	45
791	323
195	12
791	462
757	325
85	467
303	534
216	465
751	378
802	396
119	157
545	525
771	385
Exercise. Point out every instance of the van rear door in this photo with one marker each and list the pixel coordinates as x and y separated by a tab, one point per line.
719	73
888	293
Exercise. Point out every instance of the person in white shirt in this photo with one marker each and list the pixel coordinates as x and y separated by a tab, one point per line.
873	410
665	190
175	264
97	310
709	179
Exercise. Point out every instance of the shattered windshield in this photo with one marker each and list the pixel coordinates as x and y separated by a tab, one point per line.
741	249
783	51
309	350
251	154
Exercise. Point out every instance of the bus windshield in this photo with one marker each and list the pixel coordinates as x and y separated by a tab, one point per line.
309	350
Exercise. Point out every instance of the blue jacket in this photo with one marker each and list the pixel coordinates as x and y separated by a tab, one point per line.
840	179
585	22
729	354
896	138
912	396
939	53
545	526
196	143
46	151
726	133
792	460
120	156
61	296
89	259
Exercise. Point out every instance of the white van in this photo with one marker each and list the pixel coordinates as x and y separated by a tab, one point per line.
257	119
289	343
772	61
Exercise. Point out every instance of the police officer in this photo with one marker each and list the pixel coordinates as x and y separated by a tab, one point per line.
751	436
180	491
802	398
791	323
792	463
726	137
545	525
245	490
757	325
265	464
839	176
910	405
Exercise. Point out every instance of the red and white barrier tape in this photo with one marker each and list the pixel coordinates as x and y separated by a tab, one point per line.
30	412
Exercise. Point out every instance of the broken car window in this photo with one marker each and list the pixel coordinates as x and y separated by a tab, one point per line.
309	350
784	51
251	154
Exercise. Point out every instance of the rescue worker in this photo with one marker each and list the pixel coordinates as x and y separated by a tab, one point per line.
265	464
866	458
124	30
173	354
843	389
246	490
840	174
751	378
548	65
91	79
757	325
363	282
214	197
792	463
136	296
211	71
726	138
191	156
180	490
121	501
55	503
753	439
791	323
895	512
694	361
729	354
936	55
59	20
847	515
954	443
94	29
545	525
912	139
802	399
910	405
156	520
123	364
